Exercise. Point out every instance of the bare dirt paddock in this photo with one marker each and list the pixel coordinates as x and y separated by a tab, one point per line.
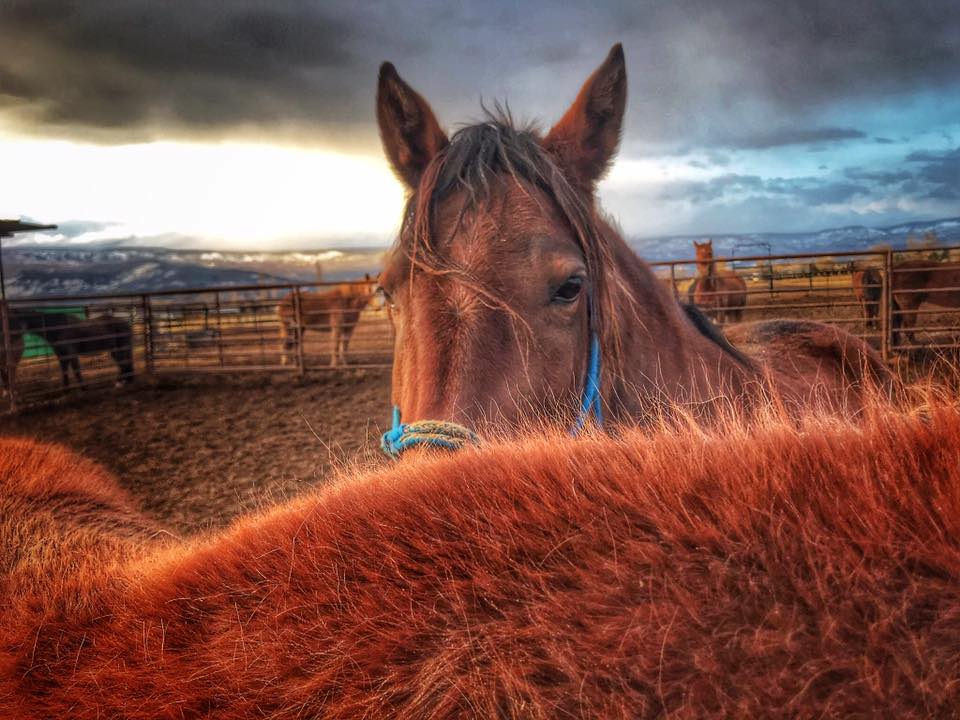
196	452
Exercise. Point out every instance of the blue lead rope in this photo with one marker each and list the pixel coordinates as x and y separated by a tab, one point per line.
450	436
591	402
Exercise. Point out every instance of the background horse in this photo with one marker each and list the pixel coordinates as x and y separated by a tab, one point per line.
868	288
336	311
776	571
916	282
505	271
70	337
721	293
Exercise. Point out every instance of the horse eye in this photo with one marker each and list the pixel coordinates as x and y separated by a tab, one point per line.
387	298
569	291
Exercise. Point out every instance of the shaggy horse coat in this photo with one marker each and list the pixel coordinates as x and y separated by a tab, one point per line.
786	571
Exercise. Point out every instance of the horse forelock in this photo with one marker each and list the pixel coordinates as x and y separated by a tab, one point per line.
477	158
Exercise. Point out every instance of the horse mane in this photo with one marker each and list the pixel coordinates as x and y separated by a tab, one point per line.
474	157
710	331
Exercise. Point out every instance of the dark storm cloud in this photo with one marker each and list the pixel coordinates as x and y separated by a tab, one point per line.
809	191
783	137
148	66
883	177
924	175
940	171
738	74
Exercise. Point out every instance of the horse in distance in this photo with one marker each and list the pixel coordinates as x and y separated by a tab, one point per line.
335	311
71	337
915	282
720	293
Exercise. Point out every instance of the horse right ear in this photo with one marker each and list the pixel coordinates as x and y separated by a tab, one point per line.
409	130
586	137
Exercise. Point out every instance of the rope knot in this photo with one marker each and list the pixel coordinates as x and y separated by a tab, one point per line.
432	433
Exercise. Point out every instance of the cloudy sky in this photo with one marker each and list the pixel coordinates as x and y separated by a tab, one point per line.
250	123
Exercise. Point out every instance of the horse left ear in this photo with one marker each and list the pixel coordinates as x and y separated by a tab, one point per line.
586	138
409	130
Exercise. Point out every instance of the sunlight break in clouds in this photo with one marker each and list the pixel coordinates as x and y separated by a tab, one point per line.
249	195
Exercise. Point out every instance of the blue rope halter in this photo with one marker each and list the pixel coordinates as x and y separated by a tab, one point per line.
450	436
591	402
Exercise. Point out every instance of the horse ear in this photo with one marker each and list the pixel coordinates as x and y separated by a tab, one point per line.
409	130
586	138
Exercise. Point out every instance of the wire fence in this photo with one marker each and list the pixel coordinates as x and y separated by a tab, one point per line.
901	301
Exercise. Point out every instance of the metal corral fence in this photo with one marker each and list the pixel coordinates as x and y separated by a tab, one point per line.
903	300
53	343
898	300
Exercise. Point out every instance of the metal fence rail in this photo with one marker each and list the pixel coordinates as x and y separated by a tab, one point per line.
235	329
908	301
819	286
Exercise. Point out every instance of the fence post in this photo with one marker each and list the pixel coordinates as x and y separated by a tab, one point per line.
147	310
673	281
298	320
8	360
216	300
886	316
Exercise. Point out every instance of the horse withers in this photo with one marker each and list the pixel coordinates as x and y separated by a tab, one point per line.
505	275
336	311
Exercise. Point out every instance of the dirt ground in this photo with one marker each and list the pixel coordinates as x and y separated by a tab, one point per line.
197	452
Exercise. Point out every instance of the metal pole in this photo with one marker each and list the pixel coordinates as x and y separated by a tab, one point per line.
298	319
886	319
219	328
8	360
7	340
147	311
770	269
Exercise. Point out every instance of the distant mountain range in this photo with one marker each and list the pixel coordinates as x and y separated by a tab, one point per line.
35	270
831	240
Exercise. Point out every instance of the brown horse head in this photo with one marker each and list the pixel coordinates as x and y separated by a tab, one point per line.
505	275
704	252
497	280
